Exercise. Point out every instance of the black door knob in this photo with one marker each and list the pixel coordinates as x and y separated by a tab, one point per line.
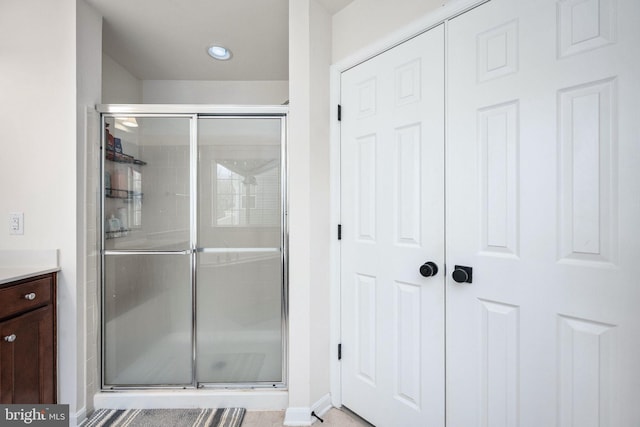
462	274
429	269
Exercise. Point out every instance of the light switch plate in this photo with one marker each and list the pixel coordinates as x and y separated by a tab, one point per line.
16	222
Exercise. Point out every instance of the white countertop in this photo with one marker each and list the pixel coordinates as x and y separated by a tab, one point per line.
22	264
11	274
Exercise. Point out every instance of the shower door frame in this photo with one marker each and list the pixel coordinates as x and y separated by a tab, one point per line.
195	112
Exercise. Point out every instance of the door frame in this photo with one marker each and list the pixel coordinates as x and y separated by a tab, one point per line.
421	25
195	112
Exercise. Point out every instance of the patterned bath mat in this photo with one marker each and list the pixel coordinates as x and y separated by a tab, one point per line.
224	417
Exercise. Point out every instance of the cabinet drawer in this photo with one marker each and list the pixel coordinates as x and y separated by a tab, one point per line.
25	296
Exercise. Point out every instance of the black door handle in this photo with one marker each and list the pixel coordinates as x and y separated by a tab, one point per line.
429	269
462	274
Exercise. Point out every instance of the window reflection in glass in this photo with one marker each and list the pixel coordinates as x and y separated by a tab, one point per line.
247	192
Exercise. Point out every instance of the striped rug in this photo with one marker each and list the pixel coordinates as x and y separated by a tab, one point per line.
224	417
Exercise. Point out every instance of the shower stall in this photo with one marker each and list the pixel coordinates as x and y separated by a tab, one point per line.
194	247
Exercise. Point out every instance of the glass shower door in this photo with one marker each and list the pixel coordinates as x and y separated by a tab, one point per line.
240	246
147	260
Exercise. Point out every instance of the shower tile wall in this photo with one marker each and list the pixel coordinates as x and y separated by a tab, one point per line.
165	185
92	195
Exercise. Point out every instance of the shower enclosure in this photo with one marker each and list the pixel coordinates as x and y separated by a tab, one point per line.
193	246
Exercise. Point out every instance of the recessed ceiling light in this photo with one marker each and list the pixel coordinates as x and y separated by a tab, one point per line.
219	52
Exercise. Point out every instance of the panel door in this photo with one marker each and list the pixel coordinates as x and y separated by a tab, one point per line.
542	203
392	223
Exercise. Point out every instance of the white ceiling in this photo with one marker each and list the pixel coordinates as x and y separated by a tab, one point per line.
168	39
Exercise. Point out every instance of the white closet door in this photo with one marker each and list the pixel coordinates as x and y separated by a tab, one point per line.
543	203
392	223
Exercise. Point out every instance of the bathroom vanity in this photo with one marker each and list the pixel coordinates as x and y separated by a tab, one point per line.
27	335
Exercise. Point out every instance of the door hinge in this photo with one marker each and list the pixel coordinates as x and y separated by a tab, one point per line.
339	112
339	231
339	351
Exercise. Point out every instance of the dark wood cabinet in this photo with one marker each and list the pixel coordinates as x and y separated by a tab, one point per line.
28	340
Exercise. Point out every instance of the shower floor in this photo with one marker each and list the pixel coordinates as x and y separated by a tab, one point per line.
240	359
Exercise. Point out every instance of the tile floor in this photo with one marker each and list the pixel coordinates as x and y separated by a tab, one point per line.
334	418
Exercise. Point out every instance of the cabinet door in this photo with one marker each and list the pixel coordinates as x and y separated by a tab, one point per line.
26	361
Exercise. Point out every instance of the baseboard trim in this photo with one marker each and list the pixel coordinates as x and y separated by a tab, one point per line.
78	418
298	417
323	405
302	416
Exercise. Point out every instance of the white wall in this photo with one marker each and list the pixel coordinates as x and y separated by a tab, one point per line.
364	21
320	111
309	54
39	151
119	86
89	82
215	92
299	209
